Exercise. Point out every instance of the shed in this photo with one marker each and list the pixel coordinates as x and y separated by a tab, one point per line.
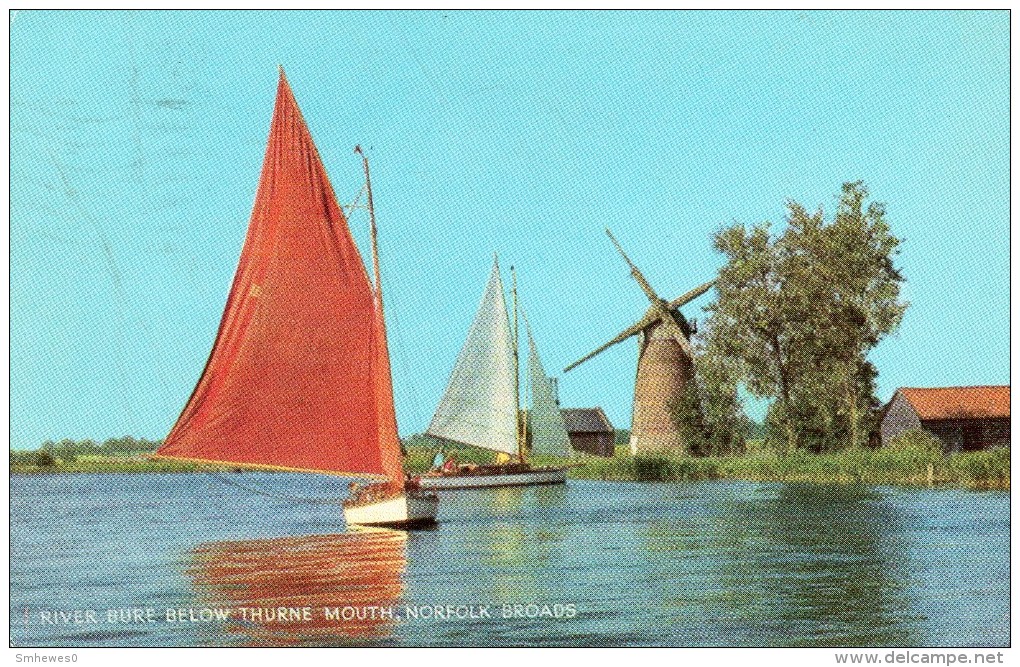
590	431
963	418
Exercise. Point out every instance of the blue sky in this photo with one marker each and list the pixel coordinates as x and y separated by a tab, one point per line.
137	138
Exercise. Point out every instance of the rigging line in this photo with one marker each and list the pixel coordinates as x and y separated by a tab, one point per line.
396	330
279	496
353	205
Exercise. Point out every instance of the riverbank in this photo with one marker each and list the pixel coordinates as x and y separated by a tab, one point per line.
902	467
972	470
115	464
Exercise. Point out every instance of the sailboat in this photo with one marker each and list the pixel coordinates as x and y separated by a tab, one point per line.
481	404
299	375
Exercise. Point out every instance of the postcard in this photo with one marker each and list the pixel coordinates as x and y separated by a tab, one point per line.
510	329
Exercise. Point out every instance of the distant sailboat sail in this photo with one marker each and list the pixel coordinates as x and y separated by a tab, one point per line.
479	406
298	377
548	432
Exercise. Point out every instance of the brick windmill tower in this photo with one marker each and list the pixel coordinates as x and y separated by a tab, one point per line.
665	365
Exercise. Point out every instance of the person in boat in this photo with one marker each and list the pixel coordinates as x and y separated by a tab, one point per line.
438	460
373	492
353	491
451	464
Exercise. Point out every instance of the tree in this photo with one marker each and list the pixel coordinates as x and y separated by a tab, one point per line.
87	446
748	320
722	412
799	313
709	415
22	457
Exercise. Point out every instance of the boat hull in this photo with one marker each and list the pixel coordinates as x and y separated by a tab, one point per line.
529	478
409	510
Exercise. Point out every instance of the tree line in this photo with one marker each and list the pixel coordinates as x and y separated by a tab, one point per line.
795	315
68	450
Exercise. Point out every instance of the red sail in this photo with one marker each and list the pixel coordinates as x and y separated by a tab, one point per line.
392	461
298	377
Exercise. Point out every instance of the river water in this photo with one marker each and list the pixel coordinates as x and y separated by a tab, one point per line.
151	559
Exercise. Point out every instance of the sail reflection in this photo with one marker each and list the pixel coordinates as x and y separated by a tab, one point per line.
317	589
504	500
522	538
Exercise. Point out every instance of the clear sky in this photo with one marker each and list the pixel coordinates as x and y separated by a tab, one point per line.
137	138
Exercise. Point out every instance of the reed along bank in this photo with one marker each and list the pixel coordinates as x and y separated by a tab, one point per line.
921	466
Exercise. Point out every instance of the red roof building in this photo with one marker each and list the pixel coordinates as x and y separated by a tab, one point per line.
963	418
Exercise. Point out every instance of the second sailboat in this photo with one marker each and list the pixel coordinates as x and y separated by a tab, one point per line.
481	405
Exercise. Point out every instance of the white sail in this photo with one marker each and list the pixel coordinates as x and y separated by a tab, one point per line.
548	432
479	406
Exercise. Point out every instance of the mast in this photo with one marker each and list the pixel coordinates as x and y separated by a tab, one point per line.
389	415
262	400
517	368
372	228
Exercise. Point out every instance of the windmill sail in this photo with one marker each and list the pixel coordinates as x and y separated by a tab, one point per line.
298	377
479	406
548	432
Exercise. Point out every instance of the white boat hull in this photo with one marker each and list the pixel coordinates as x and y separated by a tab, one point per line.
409	510
530	478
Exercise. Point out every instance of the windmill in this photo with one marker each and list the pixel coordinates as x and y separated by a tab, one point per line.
665	364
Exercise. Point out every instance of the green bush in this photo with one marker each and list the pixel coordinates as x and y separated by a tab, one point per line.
651	469
916	439
917	460
988	469
22	457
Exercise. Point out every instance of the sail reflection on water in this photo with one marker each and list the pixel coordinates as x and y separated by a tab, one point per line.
521	549
316	589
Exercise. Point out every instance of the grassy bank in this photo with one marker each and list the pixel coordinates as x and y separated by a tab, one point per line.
909	466
906	467
113	464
